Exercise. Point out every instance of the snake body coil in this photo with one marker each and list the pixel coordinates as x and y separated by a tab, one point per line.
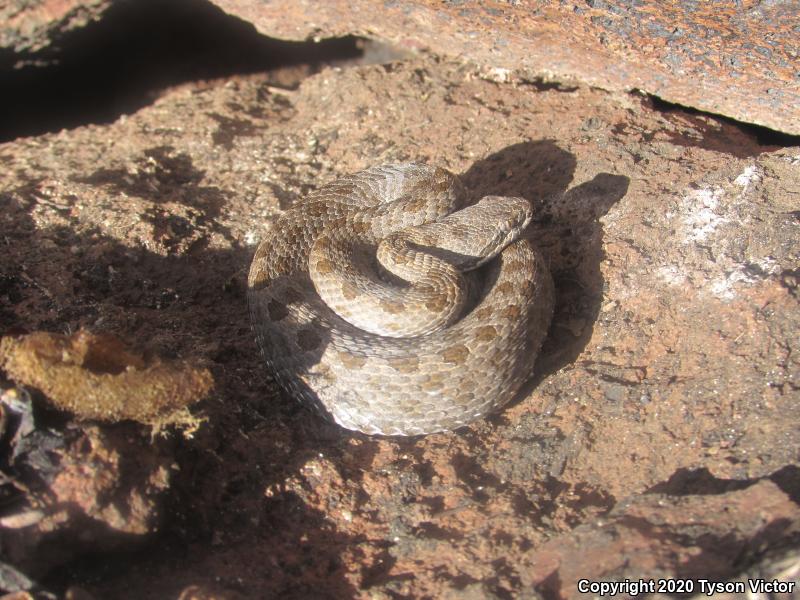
371	302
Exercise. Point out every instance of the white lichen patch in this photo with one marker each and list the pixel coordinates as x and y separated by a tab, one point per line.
497	74
701	214
671	275
714	257
768	265
750	175
724	287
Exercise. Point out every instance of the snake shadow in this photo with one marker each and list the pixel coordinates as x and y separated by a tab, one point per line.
566	228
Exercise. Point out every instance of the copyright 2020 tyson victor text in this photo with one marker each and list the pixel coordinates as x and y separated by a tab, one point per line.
684	586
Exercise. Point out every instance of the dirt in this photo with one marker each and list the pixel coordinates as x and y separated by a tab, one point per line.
657	437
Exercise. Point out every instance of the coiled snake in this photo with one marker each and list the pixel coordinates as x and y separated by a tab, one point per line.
370	301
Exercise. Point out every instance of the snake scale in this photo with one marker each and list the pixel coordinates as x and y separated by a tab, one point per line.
390	307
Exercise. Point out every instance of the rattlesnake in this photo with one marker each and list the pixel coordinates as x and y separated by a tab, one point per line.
368	303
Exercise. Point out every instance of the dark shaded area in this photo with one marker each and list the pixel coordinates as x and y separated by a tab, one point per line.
687	482
720	557
566	229
173	177
692	482
542	85
38	446
788	479
120	63
215	509
763	135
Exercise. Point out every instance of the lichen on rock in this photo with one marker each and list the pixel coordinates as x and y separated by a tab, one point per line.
94	376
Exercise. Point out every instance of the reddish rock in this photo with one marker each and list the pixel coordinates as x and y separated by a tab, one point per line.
665	391
72	490
736	59
658	536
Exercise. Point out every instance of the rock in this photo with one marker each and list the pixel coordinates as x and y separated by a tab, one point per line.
28	27
673	242
660	537
735	60
71	490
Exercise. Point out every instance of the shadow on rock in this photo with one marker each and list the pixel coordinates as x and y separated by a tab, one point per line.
701	482
566	228
191	306
124	60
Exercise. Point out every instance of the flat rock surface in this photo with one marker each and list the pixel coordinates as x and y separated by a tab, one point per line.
739	59
657	438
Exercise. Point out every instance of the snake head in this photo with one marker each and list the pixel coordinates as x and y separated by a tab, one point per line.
503	219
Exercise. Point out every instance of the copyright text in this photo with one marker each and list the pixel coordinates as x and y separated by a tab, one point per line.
708	587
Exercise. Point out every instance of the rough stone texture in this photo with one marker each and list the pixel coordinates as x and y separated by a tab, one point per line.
666	392
30	25
69	489
637	539
739	59
97	377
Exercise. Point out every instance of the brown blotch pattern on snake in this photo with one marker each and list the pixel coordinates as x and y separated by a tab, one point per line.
456	355
486	333
391	307
351	361
409	366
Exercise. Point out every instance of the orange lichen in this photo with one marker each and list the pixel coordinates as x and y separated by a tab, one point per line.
94	376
